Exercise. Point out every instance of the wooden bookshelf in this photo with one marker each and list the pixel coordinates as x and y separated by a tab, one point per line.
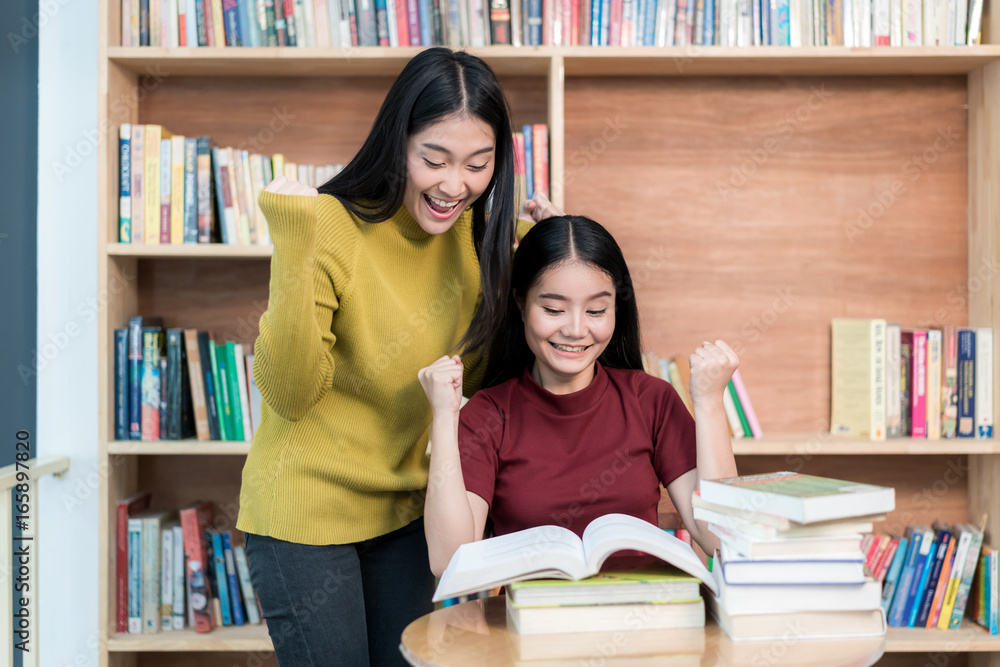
645	141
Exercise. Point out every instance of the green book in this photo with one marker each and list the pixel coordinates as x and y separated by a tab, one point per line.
221	393
801	498
233	382
662	584
739	410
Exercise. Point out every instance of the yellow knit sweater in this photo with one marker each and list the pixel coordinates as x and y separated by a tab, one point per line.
355	310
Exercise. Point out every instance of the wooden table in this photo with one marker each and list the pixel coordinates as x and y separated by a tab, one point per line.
475	634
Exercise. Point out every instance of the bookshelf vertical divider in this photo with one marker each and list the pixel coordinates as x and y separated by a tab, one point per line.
557	130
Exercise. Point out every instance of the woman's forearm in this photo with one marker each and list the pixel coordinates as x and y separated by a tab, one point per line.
715	460
448	518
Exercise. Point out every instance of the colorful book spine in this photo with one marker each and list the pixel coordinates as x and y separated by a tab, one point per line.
529	162
893	404
249	595
904	583
208	373
190	201
540	155
751	414
150	383
178	611
892	575
167	579
166	148
177	183
949	379
984	382
928	548
193	521
137	148
965	584
937	562
222	588
125	182
919	406
941	585
232	580
121	385
232	390
955	576
127	507
933	391
135	575
966	384
151	178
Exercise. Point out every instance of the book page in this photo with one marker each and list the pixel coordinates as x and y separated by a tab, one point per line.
543	552
614	532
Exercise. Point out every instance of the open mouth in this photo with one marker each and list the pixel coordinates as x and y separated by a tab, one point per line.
441	209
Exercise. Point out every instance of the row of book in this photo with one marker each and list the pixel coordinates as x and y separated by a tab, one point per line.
180	190
176	383
929	574
890	381
790	550
477	23
174	570
742	418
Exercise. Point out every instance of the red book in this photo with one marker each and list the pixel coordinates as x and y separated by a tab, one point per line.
615	36
402	23
194	519
540	157
126	507
918	383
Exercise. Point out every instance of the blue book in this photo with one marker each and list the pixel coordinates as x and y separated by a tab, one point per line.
235	597
135	326
534	36
135	574
219	560
144	22
121	385
708	35
783	36
248	32
966	384
426	29
944	540
928	553
125	183
595	22
231	23
892	575
190	190
382	22
605	31
905	581
529	163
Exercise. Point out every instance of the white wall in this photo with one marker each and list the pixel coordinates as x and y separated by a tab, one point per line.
68	302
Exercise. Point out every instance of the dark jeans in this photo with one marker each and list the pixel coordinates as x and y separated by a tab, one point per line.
342	605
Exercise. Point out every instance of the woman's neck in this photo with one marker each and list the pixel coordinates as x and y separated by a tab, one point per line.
559	384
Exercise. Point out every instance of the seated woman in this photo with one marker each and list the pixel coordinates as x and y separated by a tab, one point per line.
570	427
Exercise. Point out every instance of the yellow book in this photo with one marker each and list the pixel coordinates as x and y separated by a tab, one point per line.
218	27
152	181
177	190
680	381
277	166
857	382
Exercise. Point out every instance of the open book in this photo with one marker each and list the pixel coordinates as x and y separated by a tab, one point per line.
553	552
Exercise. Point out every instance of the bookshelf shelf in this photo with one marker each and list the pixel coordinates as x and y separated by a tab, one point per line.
579	60
178	447
968	638
824	444
242	638
189	251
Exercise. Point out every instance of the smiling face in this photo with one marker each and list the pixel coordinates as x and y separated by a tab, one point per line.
569	318
448	166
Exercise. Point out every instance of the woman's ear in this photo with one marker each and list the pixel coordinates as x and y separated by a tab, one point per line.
519	300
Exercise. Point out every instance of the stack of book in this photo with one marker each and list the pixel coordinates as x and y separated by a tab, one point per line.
536	563
791	555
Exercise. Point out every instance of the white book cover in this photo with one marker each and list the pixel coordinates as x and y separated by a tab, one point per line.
152	527
893	406
933	395
858	372
952	15
975	21
881	22
895	22
913	31
178	579
961	17
167	578
984	382
930	22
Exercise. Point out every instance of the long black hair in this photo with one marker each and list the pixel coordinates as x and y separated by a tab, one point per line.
435	85
552	242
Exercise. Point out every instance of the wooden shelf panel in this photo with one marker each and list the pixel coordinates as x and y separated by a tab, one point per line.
192	250
242	638
278	61
579	60
969	637
179	447
820	444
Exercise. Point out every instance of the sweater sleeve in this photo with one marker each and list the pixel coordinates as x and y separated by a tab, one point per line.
293	355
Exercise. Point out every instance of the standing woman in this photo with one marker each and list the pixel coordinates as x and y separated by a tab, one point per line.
372	278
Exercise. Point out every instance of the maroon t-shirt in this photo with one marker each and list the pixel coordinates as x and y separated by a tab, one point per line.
540	458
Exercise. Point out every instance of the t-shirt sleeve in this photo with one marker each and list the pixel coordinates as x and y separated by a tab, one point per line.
674	442
480	431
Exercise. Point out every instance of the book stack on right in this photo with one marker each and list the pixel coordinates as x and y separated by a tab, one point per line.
790	555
